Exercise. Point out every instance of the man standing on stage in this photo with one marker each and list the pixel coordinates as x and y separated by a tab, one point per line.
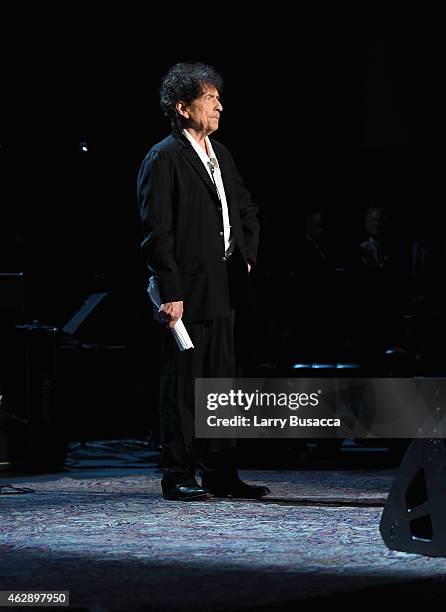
200	241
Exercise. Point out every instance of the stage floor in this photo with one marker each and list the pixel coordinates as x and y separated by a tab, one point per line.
108	537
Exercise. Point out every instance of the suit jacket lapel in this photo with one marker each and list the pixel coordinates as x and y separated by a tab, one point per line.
188	151
226	177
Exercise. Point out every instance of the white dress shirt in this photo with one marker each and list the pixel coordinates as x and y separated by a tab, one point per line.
213	169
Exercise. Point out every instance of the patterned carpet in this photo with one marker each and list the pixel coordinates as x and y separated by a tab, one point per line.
109	538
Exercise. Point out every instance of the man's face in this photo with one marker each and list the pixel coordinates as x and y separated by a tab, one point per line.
203	113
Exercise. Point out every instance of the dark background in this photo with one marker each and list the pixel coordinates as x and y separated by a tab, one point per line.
338	119
333	111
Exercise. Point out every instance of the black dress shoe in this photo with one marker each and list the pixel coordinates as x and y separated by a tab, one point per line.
222	484
183	487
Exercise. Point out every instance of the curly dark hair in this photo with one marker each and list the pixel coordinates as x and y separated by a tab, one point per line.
185	81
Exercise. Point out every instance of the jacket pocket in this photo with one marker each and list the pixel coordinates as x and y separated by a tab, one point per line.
190	266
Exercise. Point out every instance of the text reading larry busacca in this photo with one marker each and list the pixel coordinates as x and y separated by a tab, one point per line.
248	401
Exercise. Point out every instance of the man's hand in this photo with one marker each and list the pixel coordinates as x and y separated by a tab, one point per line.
249	268
170	312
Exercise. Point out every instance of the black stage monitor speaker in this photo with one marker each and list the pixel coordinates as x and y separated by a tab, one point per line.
414	518
31	421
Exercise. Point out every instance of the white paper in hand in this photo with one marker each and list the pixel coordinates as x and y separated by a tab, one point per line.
180	334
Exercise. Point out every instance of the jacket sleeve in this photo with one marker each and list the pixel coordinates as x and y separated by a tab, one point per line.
155	198
248	214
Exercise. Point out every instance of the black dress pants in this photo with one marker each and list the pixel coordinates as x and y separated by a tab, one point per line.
211	357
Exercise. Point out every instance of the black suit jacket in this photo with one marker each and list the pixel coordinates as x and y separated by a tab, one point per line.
183	228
